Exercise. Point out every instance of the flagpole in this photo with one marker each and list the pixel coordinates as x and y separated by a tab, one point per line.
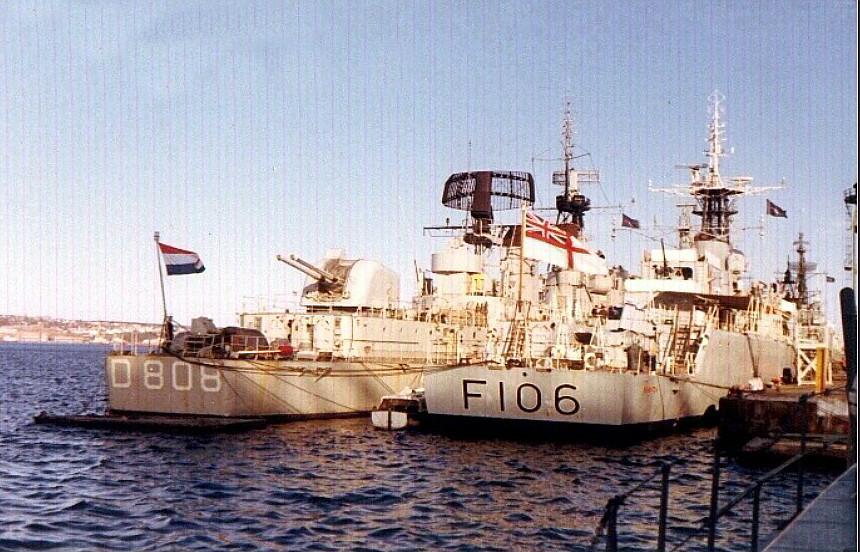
160	274
522	253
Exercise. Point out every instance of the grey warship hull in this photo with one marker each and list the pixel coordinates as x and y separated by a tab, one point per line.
241	388
604	397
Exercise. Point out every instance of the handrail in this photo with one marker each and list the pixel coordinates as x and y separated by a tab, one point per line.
710	522
758	482
609	521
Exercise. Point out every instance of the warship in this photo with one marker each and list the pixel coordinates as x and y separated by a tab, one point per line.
520	320
601	349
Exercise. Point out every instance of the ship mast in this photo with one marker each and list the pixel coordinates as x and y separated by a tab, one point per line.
715	199
802	269
572	204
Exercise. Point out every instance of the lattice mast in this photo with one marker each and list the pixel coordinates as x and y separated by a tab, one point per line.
802	268
572	204
715	199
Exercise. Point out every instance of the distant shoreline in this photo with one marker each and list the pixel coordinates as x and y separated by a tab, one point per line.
75	343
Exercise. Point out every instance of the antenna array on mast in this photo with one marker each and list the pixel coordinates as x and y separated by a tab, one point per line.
715	199
572	204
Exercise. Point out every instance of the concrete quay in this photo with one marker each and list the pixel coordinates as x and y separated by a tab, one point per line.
828	523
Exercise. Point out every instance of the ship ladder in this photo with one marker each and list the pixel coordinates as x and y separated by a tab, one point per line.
515	342
682	329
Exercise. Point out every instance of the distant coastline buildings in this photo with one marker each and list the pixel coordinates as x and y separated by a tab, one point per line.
39	329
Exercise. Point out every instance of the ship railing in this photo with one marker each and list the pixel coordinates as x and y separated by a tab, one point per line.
814	333
472	316
460	317
608	525
277	303
122	346
609	521
217	346
131	344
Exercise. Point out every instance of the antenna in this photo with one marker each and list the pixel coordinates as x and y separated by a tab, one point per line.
469	155
715	138
482	192
715	199
572	204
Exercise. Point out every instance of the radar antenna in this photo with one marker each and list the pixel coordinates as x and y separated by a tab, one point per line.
480	193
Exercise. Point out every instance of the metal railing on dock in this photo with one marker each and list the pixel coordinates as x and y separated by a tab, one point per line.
608	525
609	521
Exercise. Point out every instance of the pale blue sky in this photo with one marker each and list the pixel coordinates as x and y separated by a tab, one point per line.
243	129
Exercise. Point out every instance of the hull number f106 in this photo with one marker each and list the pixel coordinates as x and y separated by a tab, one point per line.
527	397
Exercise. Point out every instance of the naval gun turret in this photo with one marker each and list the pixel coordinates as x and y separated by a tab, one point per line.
346	284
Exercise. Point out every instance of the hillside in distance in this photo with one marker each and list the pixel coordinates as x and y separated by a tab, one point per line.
41	329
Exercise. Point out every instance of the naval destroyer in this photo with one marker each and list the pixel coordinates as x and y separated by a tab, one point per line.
512	321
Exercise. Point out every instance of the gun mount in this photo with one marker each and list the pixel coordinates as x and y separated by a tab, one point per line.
346	284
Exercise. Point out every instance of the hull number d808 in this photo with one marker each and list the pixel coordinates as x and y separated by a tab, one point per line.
527	397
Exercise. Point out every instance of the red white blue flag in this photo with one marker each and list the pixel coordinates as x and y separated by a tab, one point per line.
549	243
180	261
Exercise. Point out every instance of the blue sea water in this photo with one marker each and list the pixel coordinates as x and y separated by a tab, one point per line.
330	485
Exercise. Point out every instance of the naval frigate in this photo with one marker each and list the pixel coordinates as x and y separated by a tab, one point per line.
606	349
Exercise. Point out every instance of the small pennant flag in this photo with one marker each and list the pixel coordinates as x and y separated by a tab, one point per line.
775	210
627	222
180	261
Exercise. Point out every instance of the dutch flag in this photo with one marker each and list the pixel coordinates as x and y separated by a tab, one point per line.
180	261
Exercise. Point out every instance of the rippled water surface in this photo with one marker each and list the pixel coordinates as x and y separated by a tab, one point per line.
330	485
